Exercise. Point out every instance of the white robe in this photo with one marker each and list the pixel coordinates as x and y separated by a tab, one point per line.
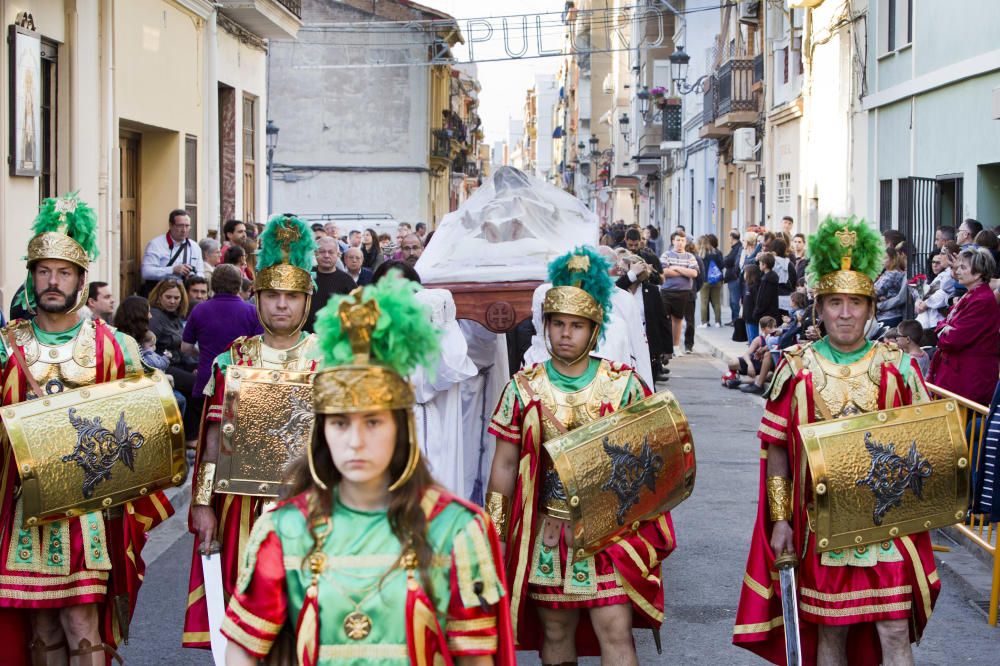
480	395
438	412
624	335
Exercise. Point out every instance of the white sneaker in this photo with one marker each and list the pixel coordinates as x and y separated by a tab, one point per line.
678	352
702	325
718	325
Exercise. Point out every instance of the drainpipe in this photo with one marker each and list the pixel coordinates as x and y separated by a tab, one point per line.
75	97
107	201
210	127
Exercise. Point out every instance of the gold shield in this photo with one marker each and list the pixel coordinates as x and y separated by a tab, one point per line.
623	469
267	420
887	474
96	447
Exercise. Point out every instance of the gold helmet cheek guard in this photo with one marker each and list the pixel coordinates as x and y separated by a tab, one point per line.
591	345
364	388
287	278
302	319
81	293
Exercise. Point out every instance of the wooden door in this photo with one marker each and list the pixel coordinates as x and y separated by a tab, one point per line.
129	186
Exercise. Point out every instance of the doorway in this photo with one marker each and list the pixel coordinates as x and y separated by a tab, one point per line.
988	195
129	186
948	195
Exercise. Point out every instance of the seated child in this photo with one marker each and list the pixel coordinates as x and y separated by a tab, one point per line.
757	362
908	335
149	355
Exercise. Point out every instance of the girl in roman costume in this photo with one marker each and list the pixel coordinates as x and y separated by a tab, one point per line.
369	561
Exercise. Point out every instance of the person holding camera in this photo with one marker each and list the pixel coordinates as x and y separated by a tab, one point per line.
172	256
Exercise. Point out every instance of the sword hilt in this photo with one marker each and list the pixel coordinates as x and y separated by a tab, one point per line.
786	561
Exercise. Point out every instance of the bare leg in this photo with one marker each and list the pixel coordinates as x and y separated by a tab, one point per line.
766	364
81	623
895	638
831	648
613	626
678	328
559	635
48	643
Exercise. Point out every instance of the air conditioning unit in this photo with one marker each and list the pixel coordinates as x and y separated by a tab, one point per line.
749	11
744	141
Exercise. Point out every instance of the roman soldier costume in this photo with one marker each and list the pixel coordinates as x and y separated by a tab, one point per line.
52	560
260	397
343	588
538	405
863	582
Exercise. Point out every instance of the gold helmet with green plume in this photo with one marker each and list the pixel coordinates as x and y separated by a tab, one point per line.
581	286
285	260
65	229
372	339
845	257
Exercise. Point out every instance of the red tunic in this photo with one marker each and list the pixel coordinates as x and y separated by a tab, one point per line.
628	571
832	595
236	515
78	575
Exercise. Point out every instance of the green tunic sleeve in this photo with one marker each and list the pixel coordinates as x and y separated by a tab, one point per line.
633	392
474	565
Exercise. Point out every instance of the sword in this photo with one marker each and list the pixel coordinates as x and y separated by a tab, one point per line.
211	567
786	563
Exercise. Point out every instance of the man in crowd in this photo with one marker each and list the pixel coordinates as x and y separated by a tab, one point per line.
71	585
967	233
173	255
333	231
233	231
221	522
859	605
788	225
318	231
354	266
421	231
942	235
354	238
100	303
411	249
197	290
733	276
680	268
329	279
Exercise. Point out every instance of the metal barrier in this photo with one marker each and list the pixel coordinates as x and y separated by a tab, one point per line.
977	527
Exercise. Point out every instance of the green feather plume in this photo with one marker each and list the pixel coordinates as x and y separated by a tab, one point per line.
594	280
72	216
301	252
825	250
404	336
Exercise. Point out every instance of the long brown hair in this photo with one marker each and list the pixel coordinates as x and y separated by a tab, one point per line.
406	517
162	287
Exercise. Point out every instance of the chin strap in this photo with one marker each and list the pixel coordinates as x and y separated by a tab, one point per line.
591	346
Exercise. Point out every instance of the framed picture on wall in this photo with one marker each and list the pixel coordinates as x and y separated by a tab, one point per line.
25	101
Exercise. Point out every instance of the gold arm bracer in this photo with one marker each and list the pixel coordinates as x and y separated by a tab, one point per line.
498	506
201	494
779	498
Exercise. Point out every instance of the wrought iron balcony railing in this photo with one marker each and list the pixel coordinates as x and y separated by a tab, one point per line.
294	6
735	81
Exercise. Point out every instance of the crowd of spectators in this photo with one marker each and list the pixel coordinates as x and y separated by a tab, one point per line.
947	319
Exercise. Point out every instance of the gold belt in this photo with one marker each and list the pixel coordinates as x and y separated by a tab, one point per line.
556	508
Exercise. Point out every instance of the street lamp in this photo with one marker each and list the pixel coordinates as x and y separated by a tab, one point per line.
623	122
271	130
678	72
643	97
593	144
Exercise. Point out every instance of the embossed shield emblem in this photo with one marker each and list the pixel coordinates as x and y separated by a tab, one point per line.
886	474
623	469
267	420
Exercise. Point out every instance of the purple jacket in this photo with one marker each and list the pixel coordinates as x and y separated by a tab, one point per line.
967	361
213	325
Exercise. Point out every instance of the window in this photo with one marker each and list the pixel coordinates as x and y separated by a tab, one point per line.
784	193
895	18
191	181
50	87
249	158
885	204
784	65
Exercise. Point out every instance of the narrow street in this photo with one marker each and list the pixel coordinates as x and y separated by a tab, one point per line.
702	577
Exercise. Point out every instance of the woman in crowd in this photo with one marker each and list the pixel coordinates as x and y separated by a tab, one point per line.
891	288
751	284
967	361
132	318
987	239
369	558
711	288
785	270
211	253
168	306
371	250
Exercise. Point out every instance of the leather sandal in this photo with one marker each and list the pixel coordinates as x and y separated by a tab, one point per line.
90	654
47	655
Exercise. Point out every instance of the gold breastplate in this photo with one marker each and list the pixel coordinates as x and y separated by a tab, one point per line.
253	352
849	390
59	368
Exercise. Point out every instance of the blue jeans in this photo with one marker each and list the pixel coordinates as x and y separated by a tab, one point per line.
752	332
735	298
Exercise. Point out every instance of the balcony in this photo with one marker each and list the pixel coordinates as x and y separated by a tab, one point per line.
673	125
710	110
271	19
758	70
472	171
440	148
737	104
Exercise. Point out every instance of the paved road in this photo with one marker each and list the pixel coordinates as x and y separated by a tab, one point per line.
702	577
